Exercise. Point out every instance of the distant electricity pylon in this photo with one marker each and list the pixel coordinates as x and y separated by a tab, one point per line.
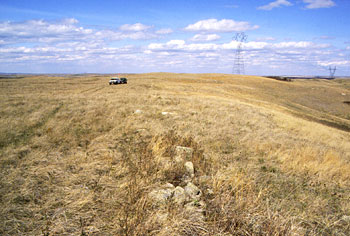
332	71
238	66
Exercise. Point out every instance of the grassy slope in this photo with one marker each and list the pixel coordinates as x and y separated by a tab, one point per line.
77	160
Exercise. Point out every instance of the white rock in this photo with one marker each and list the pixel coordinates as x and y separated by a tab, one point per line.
179	195
210	191
183	153
344	94
178	159
193	191
168	186
161	196
189	169
138	112
346	219
186	179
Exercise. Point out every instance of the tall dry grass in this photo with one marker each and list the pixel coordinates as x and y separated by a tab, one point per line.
76	159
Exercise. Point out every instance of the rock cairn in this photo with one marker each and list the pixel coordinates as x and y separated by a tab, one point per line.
188	196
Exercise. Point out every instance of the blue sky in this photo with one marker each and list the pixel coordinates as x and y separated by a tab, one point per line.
285	37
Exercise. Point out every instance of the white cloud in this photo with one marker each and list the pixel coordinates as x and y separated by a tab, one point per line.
205	37
180	45
247	46
117	35
300	44
134	27
224	25
40	28
164	31
333	63
277	3
66	46
314	4
325	37
266	39
174	55
265	57
40	31
170	45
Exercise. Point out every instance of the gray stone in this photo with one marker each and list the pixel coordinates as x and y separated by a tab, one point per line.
165	113
346	219
183	154
186	179
192	191
189	169
210	191
138	112
161	196
168	186
179	195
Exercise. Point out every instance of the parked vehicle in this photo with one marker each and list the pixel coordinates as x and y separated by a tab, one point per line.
114	81
123	80
118	81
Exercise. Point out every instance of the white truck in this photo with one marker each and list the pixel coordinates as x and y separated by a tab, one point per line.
118	81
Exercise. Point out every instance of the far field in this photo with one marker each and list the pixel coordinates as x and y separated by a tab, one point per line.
80	157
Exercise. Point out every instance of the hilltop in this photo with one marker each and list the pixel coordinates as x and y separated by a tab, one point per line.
81	157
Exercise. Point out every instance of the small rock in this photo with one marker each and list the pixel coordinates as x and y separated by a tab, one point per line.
165	164
168	186
140	130
161	196
138	112
178	159
189	169
183	153
344	94
186	179
179	195
210	191
193	191
346	219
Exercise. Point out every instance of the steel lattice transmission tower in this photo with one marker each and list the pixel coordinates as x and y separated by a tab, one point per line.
332	71
238	66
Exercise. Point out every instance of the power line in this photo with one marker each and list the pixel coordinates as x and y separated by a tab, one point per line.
238	65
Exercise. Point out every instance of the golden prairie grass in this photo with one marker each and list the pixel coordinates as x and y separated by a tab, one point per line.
272	158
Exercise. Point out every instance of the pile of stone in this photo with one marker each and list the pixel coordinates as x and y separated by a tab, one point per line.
188	196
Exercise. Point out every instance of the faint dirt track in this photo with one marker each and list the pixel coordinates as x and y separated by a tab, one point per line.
272	158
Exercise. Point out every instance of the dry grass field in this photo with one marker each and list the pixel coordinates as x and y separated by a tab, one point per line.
80	157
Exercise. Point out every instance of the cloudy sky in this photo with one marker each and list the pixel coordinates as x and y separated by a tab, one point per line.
285	37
